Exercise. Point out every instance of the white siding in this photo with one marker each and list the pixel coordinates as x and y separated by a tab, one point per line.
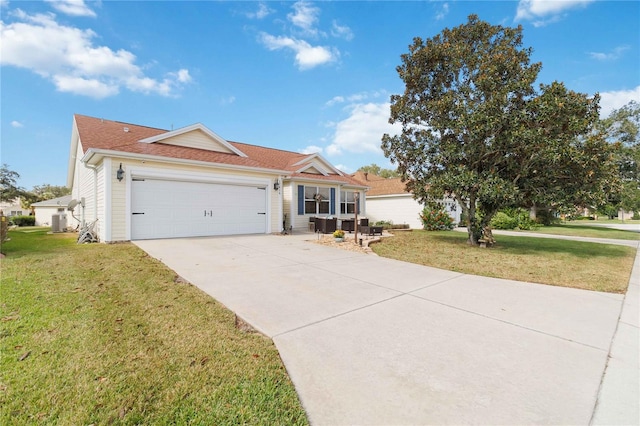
399	209
196	139
44	213
83	187
404	209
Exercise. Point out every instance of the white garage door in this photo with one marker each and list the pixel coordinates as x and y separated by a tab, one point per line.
171	209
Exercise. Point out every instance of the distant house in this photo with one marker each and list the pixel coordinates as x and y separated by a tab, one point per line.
44	211
388	199
13	208
142	182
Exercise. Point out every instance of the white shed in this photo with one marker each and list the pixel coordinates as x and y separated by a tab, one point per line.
46	209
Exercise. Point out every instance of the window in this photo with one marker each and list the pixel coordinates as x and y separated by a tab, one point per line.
347	202
61	210
316	200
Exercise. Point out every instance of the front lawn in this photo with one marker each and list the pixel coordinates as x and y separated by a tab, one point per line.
103	334
591	266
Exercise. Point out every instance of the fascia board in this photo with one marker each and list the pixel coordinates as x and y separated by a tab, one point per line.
322	160
323	181
94	156
73	149
314	165
197	126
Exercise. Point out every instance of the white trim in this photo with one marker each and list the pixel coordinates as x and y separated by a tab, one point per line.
314	165
182	176
93	156
322	159
107	195
325	182
197	126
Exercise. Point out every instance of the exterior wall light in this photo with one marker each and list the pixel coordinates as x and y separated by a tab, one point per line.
276	185
120	173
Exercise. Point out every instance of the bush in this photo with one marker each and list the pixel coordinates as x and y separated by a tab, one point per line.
503	221
23	220
436	219
546	217
512	219
636	216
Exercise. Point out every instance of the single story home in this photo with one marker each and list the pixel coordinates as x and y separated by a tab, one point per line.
389	200
44	211
13	208
139	182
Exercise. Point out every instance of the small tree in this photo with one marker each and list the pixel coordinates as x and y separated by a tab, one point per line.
9	189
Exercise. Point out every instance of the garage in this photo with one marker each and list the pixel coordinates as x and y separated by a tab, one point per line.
174	209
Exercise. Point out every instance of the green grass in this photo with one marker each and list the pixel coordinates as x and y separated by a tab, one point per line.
581	229
104	334
591	266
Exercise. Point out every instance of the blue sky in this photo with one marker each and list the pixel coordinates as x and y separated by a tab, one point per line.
300	76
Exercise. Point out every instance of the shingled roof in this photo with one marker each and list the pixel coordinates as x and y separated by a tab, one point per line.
381	186
107	135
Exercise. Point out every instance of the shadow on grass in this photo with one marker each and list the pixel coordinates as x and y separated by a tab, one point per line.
517	245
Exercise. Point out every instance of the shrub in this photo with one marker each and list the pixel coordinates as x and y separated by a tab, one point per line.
512	219
23	220
636	216
338	233
436	219
503	221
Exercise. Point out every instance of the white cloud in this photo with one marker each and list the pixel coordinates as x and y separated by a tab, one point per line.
4	3
307	56
610	101
67	56
444	10
356	97
344	168
305	16
613	55
72	7
549	9
228	101
341	31
16	124
362	131
311	149
262	12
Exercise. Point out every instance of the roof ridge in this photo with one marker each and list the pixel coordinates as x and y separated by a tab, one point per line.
122	122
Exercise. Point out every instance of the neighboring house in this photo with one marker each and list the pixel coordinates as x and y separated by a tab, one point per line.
44	211
143	183
13	208
389	200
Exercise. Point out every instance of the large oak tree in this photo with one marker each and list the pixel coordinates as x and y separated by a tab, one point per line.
474	127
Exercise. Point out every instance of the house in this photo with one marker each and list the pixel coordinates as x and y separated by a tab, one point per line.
389	200
44	211
13	208
142	183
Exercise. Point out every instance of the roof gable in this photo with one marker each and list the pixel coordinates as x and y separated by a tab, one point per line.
195	136
318	163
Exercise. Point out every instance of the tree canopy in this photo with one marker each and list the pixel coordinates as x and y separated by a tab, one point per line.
9	189
378	171
622	130
474	127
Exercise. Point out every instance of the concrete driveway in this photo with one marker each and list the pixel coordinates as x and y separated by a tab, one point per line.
369	340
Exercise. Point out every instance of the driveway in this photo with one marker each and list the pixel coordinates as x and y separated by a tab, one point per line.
369	340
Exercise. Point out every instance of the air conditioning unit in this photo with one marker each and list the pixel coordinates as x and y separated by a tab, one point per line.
58	222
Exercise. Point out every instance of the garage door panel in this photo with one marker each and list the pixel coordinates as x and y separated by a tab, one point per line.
168	209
